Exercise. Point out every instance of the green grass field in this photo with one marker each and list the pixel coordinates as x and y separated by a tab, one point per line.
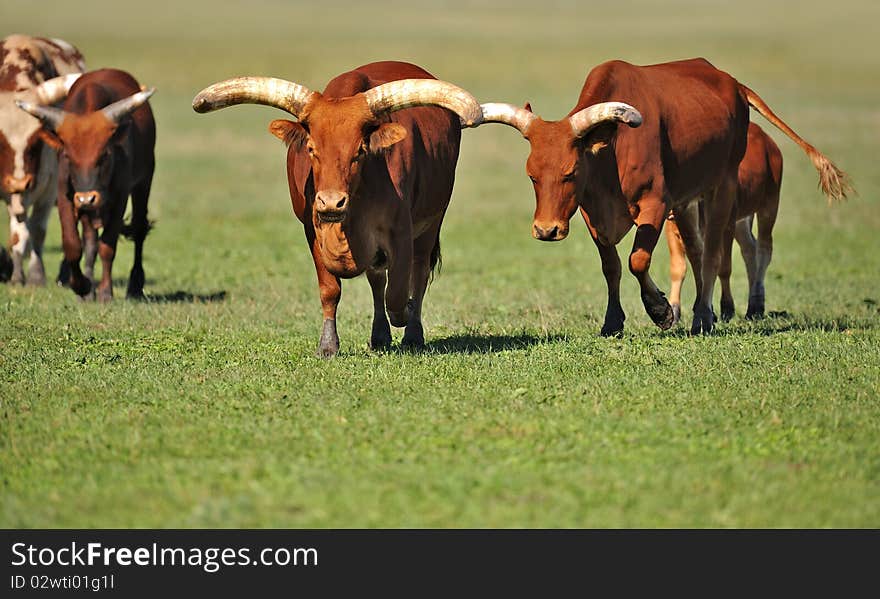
206	407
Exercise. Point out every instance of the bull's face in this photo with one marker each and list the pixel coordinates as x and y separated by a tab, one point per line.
339	137
89	142
556	171
21	145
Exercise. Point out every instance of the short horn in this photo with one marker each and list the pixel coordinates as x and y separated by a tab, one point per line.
56	89
268	91
407	93
508	114
50	116
583	121
116	111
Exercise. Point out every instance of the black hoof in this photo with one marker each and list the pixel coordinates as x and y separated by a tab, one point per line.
413	337
612	329
660	312
6	266
83	288
380	338
756	309
704	321
727	311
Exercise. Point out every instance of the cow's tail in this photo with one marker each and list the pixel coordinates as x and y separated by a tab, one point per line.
835	183
135	230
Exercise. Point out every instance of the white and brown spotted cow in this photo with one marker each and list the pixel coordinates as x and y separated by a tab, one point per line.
36	70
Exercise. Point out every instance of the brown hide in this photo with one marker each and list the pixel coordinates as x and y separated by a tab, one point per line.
396	176
112	160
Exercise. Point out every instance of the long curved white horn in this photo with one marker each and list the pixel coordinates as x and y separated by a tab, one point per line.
508	114
407	93
55	89
116	111
50	116
269	91
583	121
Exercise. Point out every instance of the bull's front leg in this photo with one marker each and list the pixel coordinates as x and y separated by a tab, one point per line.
614	315
71	243
90	241
330	289
426	250
107	247
380	336
399	271
649	221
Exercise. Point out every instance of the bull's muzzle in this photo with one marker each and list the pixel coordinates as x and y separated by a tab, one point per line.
87	200
16	185
550	231
331	206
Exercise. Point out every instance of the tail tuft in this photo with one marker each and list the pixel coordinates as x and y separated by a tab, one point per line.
131	231
833	182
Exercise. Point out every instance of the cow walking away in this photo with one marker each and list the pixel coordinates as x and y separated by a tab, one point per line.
108	136
369	180
38	71
687	134
759	182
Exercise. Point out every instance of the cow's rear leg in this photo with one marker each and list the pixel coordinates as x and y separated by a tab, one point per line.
38	223
677	267
748	247
19	242
766	221
728	306
718	214
137	231
380	336
649	221
426	254
330	289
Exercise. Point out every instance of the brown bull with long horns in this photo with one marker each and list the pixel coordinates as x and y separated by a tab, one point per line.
687	131
107	135
369	180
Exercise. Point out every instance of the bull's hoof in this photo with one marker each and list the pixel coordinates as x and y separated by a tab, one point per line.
135	284
63	279
328	344
105	296
82	287
36	275
380	337
704	321
612	329
676	313
413	337
660	311
756	308
6	266
727	310
17	277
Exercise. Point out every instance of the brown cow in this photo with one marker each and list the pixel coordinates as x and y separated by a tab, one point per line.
107	136
759	182
694	121
370	184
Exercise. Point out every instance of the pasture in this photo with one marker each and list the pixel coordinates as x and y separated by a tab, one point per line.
205	406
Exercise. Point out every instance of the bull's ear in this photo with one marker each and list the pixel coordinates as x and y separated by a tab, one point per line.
386	136
528	106
599	139
291	133
50	139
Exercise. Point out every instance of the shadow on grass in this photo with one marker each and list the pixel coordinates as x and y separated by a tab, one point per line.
184	297
775	323
485	344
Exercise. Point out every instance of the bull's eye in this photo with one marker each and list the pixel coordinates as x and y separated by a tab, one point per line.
568	177
533	179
